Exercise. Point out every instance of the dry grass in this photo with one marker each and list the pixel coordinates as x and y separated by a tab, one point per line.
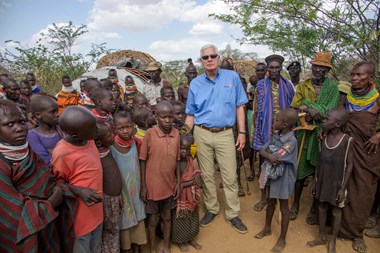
113	58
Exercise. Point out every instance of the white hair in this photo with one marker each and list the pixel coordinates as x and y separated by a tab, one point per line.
209	46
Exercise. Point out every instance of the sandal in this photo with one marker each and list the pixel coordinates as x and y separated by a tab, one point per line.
293	213
241	191
251	176
359	245
260	205
373	233
370	222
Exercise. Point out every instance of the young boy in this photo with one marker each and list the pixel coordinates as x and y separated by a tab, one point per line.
104	104
125	152
139	100
130	90
43	138
67	96
187	213
25	89
279	172
167	93
76	161
112	184
31	213
179	114
160	175
144	119
31	77
334	169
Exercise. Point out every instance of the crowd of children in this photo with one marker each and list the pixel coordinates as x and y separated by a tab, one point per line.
97	170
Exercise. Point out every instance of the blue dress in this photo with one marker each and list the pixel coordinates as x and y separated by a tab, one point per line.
133	209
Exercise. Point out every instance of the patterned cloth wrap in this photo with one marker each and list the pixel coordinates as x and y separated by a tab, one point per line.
268	170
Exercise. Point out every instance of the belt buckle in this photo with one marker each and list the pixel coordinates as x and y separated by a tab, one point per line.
214	129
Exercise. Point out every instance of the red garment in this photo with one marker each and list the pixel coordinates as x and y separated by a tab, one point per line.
80	166
28	221
189	198
161	153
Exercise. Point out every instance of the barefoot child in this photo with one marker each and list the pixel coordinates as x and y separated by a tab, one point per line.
333	172
185	219
279	172
125	152
43	138
31	209
144	119
112	182
160	176
76	161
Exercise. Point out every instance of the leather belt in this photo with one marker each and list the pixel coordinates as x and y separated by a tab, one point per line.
214	129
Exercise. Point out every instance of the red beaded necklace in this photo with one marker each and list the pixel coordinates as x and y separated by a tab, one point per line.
124	143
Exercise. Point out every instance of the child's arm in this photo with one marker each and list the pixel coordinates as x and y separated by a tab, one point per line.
347	174
177	189
88	195
143	190
271	157
286	152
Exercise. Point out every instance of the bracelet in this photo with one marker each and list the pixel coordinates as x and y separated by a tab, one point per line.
242	132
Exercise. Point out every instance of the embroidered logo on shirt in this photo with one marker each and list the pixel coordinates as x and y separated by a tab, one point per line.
228	85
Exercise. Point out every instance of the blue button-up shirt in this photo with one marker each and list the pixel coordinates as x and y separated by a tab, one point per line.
213	102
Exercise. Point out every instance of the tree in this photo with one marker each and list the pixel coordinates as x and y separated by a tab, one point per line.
236	54
52	56
349	29
174	72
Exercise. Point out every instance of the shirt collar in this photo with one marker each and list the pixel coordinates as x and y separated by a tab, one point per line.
285	137
216	76
162	134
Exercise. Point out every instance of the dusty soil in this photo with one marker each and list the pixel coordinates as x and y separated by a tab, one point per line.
220	237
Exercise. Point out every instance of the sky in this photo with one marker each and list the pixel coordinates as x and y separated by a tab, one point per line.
166	29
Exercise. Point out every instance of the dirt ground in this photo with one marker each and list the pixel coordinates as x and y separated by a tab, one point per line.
220	237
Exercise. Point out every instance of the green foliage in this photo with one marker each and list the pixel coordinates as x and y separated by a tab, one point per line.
52	56
349	30
174	72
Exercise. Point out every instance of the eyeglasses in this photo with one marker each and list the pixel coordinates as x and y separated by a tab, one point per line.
206	57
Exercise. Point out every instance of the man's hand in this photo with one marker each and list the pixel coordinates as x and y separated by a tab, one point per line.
372	145
273	159
177	191
240	142
56	197
314	114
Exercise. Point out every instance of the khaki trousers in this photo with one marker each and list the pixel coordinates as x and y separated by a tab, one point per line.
221	146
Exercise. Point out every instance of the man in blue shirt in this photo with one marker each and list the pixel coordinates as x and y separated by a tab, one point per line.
215	101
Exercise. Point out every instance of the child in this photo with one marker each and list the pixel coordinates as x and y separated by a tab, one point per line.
112	184
185	220
160	182
130	90
104	104
90	84
76	161
167	93
32	217
31	77
139	100
179	114
67	96
43	138
279	172
333	172
144	119
25	89
125	152
106	84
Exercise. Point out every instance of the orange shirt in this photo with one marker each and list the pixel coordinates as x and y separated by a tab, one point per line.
161	153
80	166
65	99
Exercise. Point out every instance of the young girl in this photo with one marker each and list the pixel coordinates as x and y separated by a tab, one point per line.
333	172
144	119
33	217
125	152
185	219
279	172
43	138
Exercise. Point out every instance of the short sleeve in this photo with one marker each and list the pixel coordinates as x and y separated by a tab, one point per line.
145	147
190	103
58	165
